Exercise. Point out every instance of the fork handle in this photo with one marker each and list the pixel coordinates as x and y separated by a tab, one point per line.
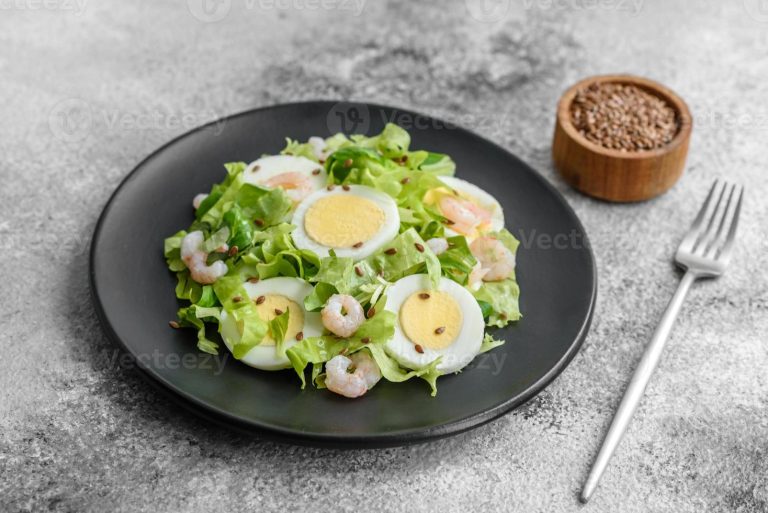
637	386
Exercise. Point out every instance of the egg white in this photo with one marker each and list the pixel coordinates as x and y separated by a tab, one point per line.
262	356
467	343
261	170
386	233
485	200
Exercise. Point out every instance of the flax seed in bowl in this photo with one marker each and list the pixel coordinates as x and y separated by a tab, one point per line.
621	138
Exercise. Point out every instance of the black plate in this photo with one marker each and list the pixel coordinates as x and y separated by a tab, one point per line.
133	290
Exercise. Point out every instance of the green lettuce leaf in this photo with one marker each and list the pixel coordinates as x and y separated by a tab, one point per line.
393	372
316	350
277	330
235	301
347	164
240	228
172	251
298	149
406	260
438	164
193	317
316	300
503	298
457	261
489	342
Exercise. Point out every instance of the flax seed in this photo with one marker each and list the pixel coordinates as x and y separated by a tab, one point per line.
233	251
440	330
419	349
259	222
371	312
260	300
348	163
316	172
278	311
405	180
419	247
365	340
173	324
331	187
237	299
300	336
253	279
623	117
391	251
358	271
357	245
424	295
345	187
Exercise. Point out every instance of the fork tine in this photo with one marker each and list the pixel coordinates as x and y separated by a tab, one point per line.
715	240
706	236
725	252
695	230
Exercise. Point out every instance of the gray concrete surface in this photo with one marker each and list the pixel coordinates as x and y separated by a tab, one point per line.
79	433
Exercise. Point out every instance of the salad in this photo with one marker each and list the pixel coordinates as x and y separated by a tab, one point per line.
347	259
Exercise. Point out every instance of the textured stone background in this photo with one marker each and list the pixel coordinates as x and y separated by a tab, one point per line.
78	433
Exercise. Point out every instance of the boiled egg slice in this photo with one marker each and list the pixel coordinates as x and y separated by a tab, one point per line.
353	221
470	209
281	294
445	323
298	176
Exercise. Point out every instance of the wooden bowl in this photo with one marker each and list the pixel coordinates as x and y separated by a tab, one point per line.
614	175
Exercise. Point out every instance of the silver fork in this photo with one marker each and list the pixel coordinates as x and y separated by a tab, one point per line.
704	253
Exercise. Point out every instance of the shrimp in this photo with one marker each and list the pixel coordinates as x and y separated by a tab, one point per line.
365	364
297	185
465	215
340	380
476	276
318	147
494	257
342	315
195	259
437	245
198	200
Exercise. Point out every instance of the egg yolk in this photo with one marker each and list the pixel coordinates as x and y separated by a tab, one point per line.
266	311
431	318
343	220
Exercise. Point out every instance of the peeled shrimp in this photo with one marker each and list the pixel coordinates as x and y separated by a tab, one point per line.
364	363
476	276
195	259
494	257
318	147
465	215
342	315
437	245
297	185
198	200
339	380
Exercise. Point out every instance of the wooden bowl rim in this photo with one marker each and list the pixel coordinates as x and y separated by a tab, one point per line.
677	103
